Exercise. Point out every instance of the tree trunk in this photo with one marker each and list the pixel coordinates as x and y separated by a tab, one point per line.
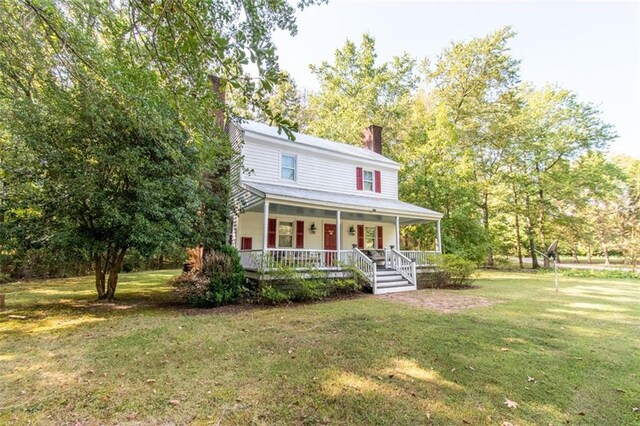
589	254
530	236
517	225
575	256
114	270
518	245
485	222
606	254
541	216
99	274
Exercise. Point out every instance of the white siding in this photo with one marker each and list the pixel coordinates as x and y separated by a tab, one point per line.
250	225
319	171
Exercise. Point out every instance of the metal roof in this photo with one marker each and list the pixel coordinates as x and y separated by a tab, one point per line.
312	141
347	201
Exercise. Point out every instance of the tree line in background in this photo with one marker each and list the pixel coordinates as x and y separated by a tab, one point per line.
512	166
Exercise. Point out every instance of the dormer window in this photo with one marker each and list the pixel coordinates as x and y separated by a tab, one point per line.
367	178
288	167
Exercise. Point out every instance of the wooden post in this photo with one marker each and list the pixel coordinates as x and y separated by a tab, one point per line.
398	232
439	238
338	235
265	227
1	301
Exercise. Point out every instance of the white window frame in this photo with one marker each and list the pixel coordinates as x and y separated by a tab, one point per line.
375	237
295	167
364	181
293	233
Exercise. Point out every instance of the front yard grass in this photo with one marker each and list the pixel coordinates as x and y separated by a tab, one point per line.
571	357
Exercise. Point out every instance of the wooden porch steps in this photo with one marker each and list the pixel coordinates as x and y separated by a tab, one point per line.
390	281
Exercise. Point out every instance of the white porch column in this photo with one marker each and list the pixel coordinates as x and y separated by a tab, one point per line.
339	234
439	238
265	226
398	233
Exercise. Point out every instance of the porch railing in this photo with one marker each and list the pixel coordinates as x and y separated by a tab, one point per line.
422	258
366	266
401	263
290	258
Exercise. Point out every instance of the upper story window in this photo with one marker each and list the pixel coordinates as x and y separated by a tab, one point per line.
367	179
288	167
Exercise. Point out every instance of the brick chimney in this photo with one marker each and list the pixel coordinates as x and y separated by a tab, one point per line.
218	88
372	138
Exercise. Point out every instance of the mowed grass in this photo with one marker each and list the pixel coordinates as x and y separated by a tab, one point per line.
148	360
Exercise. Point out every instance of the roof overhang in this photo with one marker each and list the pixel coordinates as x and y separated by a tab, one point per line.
388	209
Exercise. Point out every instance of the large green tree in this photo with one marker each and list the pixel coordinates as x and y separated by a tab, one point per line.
111	140
356	91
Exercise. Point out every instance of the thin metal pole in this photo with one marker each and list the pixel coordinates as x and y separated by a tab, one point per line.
555	270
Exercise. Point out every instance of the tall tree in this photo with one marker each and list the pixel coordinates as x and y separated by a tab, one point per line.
355	92
475	82
554	128
108	119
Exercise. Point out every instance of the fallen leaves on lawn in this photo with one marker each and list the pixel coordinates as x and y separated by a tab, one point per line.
509	403
530	379
151	380
506	424
504	349
635	409
174	402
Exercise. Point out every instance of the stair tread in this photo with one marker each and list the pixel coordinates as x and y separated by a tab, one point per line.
394	284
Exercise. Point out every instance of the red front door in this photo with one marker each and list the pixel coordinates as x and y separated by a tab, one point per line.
330	239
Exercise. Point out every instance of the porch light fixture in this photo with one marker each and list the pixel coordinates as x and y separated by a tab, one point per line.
313	228
352	230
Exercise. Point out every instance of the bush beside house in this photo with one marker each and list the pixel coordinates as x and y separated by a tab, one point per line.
450	271
217	279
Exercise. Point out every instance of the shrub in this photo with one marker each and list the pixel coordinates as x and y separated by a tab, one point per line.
218	282
5	278
285	285
451	271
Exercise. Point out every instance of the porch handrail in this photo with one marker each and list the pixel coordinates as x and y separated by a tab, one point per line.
422	257
300	258
404	265
366	266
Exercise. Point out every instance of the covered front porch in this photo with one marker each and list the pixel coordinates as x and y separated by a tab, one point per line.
304	234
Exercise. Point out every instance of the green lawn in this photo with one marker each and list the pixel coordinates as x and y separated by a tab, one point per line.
364	360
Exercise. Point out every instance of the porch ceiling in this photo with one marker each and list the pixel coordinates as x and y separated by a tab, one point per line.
303	211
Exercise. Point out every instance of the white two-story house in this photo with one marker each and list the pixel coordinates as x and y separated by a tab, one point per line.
316	203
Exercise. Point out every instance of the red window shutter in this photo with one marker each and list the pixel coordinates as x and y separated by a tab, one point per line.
246	243
360	236
359	178
380	238
378	181
299	234
271	234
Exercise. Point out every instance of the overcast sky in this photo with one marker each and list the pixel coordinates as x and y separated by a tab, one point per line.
592	48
